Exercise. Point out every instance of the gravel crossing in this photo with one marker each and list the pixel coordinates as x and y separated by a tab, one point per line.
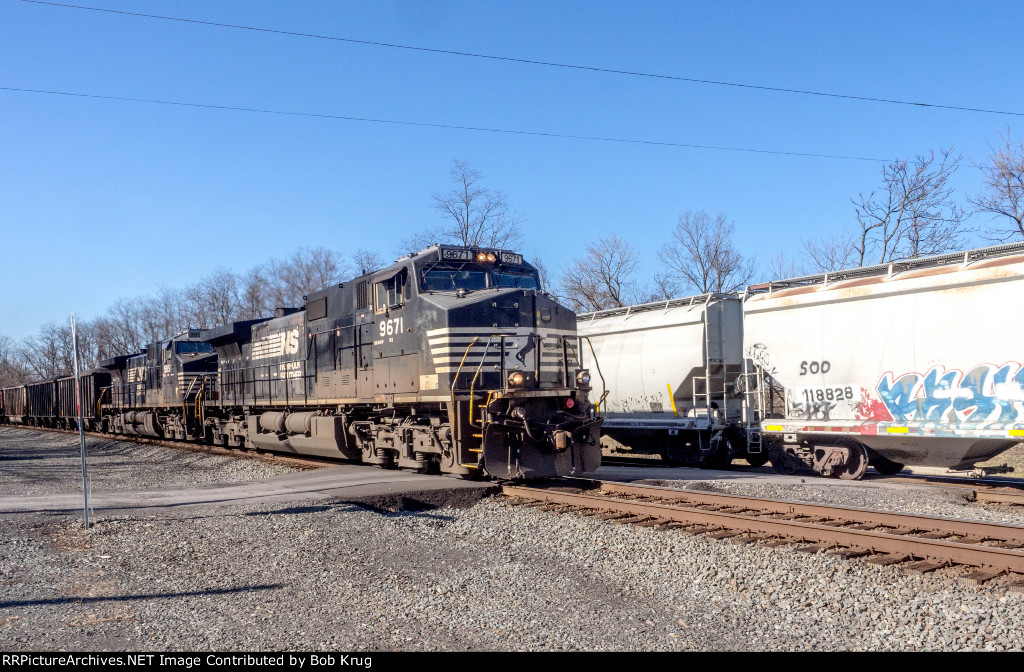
328	575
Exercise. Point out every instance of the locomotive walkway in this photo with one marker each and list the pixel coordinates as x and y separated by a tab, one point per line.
374	487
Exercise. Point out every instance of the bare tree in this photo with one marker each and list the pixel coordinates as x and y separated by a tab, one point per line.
48	354
473	215
604	277
12	366
782	265
367	261
254	294
825	255
913	213
1004	192
542	271
305	271
701	257
213	300
119	331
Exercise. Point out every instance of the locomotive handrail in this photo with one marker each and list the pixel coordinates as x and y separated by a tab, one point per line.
604	387
472	383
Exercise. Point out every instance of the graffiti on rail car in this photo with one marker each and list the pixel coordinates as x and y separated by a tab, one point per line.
985	395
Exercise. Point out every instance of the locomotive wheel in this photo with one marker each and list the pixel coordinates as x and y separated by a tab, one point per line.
855	466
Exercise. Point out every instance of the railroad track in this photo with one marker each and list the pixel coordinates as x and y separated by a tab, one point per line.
298	461
918	543
1006	491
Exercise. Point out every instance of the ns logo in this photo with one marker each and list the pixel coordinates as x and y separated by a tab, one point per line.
290	342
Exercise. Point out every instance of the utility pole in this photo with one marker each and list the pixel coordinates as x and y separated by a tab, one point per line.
81	427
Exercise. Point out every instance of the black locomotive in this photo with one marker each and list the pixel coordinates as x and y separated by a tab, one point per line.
452	359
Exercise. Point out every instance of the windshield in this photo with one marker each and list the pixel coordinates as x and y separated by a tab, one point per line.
447	280
182	347
514	280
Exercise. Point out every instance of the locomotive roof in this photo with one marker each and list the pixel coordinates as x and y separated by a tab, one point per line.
433	254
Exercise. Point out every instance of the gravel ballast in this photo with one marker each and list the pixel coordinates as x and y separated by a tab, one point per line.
935	500
46	463
327	575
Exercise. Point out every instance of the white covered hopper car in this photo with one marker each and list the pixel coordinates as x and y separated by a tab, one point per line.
671	379
916	362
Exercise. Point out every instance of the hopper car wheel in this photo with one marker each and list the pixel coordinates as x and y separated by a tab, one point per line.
857	464
757	459
885	466
785	464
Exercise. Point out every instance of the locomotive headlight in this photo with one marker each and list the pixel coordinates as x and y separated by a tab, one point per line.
491	257
583	377
481	257
515	379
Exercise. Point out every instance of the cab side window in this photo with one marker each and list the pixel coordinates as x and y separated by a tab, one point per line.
390	293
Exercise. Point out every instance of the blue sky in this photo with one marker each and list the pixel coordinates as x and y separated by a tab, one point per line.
101	199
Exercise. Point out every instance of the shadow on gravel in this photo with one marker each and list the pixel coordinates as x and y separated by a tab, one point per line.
130	598
399	505
425	500
292	510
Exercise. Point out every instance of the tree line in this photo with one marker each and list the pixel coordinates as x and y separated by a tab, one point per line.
221	297
913	211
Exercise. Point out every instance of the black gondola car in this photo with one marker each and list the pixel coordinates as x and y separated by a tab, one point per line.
94	388
41	403
14	405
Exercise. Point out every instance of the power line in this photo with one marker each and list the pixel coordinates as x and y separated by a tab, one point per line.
424	124
527	61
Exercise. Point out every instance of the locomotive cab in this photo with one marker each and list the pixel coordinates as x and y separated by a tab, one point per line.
160	392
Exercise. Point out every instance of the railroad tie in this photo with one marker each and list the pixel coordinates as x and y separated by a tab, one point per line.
613	516
629	520
724	534
904	530
775	543
1012	545
833	523
980	576
654	522
888	559
923	567
849	553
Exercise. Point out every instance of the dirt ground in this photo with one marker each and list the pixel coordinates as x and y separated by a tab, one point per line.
1014	457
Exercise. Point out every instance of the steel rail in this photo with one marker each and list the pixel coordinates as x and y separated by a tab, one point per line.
918	521
892	543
